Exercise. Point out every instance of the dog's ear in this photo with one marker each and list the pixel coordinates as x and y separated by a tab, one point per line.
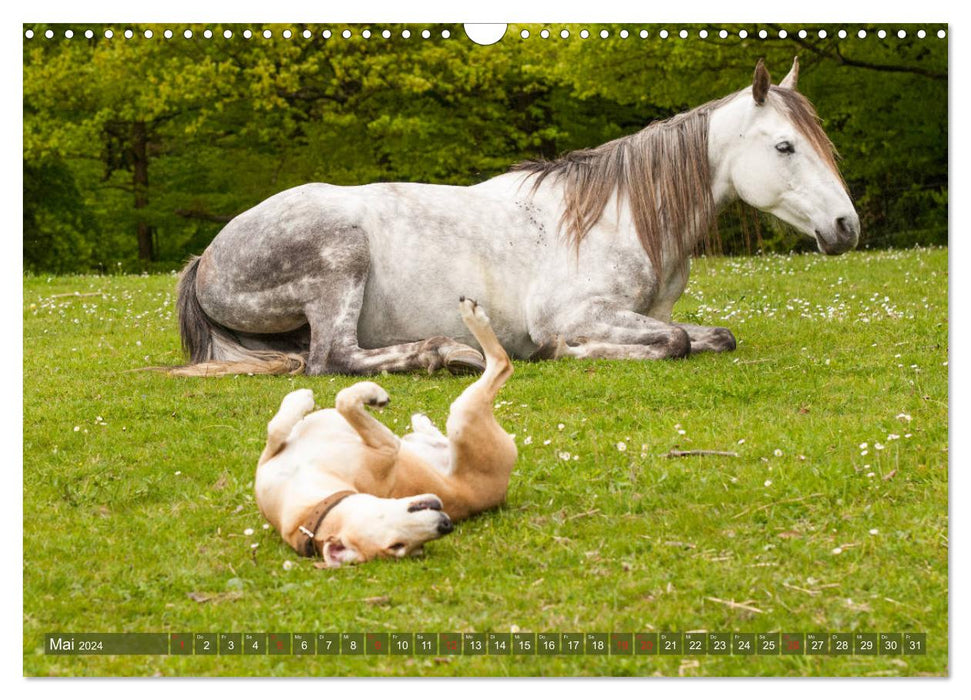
337	553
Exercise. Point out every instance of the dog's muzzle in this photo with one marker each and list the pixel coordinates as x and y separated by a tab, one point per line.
445	525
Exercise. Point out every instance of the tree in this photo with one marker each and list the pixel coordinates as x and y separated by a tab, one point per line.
141	149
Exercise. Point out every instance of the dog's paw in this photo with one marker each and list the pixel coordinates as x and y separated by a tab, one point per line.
420	423
372	395
472	312
300	401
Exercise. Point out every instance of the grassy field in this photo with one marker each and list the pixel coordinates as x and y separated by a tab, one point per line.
138	488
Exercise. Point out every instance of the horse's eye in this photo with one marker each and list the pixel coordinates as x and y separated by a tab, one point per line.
396	546
785	147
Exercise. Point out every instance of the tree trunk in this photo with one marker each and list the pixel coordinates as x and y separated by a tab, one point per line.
139	138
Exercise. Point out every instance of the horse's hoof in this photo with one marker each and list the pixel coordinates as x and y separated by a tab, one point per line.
464	361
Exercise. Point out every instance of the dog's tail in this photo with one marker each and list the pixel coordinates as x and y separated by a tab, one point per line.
215	351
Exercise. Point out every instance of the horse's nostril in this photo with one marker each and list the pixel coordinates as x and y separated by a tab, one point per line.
846	226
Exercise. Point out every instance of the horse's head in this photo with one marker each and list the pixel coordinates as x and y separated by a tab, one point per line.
769	150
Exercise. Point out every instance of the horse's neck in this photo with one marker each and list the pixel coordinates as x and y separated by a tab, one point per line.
723	122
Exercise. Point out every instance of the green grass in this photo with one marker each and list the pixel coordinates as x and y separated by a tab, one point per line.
138	487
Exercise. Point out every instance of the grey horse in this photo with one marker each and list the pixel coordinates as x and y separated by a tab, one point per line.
583	256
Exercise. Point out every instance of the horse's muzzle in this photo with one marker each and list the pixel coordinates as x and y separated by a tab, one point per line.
843	236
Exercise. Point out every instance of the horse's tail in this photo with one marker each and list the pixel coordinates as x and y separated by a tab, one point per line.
214	351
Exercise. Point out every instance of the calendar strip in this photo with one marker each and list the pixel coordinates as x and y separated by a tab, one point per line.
490	643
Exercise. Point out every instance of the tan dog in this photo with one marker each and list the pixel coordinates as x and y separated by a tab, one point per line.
339	484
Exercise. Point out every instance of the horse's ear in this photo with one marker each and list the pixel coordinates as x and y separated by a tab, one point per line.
760	83
792	77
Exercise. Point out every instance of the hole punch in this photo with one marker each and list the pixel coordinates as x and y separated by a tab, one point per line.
488	34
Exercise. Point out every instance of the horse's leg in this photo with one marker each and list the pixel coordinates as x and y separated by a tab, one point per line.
334	347
703	338
708	338
599	329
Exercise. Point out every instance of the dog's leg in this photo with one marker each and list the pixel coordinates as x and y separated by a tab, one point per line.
293	408
498	367
482	453
350	404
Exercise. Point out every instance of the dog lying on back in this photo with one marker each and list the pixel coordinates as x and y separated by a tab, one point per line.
338	484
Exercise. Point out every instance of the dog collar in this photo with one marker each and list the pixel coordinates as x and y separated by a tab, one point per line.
312	522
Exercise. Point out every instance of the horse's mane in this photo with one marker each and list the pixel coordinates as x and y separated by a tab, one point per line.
662	172
801	112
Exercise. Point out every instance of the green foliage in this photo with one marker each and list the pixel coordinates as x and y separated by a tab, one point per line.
138	487
225	123
55	219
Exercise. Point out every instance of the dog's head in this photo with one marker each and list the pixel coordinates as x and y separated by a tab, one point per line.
364	527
